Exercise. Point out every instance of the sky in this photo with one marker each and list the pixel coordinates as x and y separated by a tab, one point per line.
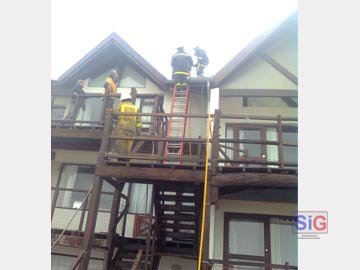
156	28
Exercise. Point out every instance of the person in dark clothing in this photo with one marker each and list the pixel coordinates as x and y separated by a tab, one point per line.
75	99
202	61
181	63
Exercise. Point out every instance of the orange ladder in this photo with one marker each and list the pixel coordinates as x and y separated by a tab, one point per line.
176	125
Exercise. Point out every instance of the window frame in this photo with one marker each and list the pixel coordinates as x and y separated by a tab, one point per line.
57	189
265	218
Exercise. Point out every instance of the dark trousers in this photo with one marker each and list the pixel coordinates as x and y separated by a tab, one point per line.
180	81
200	70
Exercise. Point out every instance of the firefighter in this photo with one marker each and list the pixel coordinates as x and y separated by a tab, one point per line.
110	88
202	61
181	63
127	125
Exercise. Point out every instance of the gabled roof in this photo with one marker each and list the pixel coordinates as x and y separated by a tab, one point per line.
110	52
257	45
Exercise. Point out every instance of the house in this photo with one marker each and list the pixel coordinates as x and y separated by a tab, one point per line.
144	209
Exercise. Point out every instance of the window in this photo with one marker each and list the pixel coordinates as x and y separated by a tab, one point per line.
140	198
270	102
261	240
99	81
141	225
75	182
147	104
261	152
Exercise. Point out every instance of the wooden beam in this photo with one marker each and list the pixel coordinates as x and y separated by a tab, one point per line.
258	93
146	174
136	264
77	133
280	68
255	179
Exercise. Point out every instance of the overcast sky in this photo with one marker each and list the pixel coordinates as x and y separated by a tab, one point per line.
156	28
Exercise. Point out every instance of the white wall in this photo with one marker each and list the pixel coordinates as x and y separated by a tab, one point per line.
172	263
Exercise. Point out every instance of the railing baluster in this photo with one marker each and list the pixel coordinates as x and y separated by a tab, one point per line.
280	139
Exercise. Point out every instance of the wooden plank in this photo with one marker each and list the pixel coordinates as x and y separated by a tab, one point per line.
178	217
255	179
180	208
136	174
258	93
177	226
180	235
77	133
176	198
136	264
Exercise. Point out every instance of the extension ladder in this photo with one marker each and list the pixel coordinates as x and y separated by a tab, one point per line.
176	125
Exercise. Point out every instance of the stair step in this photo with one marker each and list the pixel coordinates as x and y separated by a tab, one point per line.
178	217
178	226
180	235
177	208
176	198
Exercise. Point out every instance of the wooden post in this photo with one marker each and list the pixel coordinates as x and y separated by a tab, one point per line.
215	143
83	210
205	255
56	194
112	229
148	236
95	196
136	264
91	222
280	139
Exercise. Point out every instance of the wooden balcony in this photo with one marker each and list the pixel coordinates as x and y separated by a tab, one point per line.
242	150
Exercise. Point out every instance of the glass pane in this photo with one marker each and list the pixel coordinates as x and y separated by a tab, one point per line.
272	152
92	112
68	176
267	102
290	137
146	120
246	237
106	202
70	199
290	154
140	198
251	134
283	241
77	177
99	81
229	135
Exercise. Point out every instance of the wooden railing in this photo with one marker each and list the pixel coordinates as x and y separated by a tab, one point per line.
231	145
226	151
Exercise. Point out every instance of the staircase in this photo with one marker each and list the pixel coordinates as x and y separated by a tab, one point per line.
178	211
176	125
127	255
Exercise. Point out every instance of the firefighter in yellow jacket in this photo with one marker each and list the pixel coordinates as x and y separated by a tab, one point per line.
127	125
